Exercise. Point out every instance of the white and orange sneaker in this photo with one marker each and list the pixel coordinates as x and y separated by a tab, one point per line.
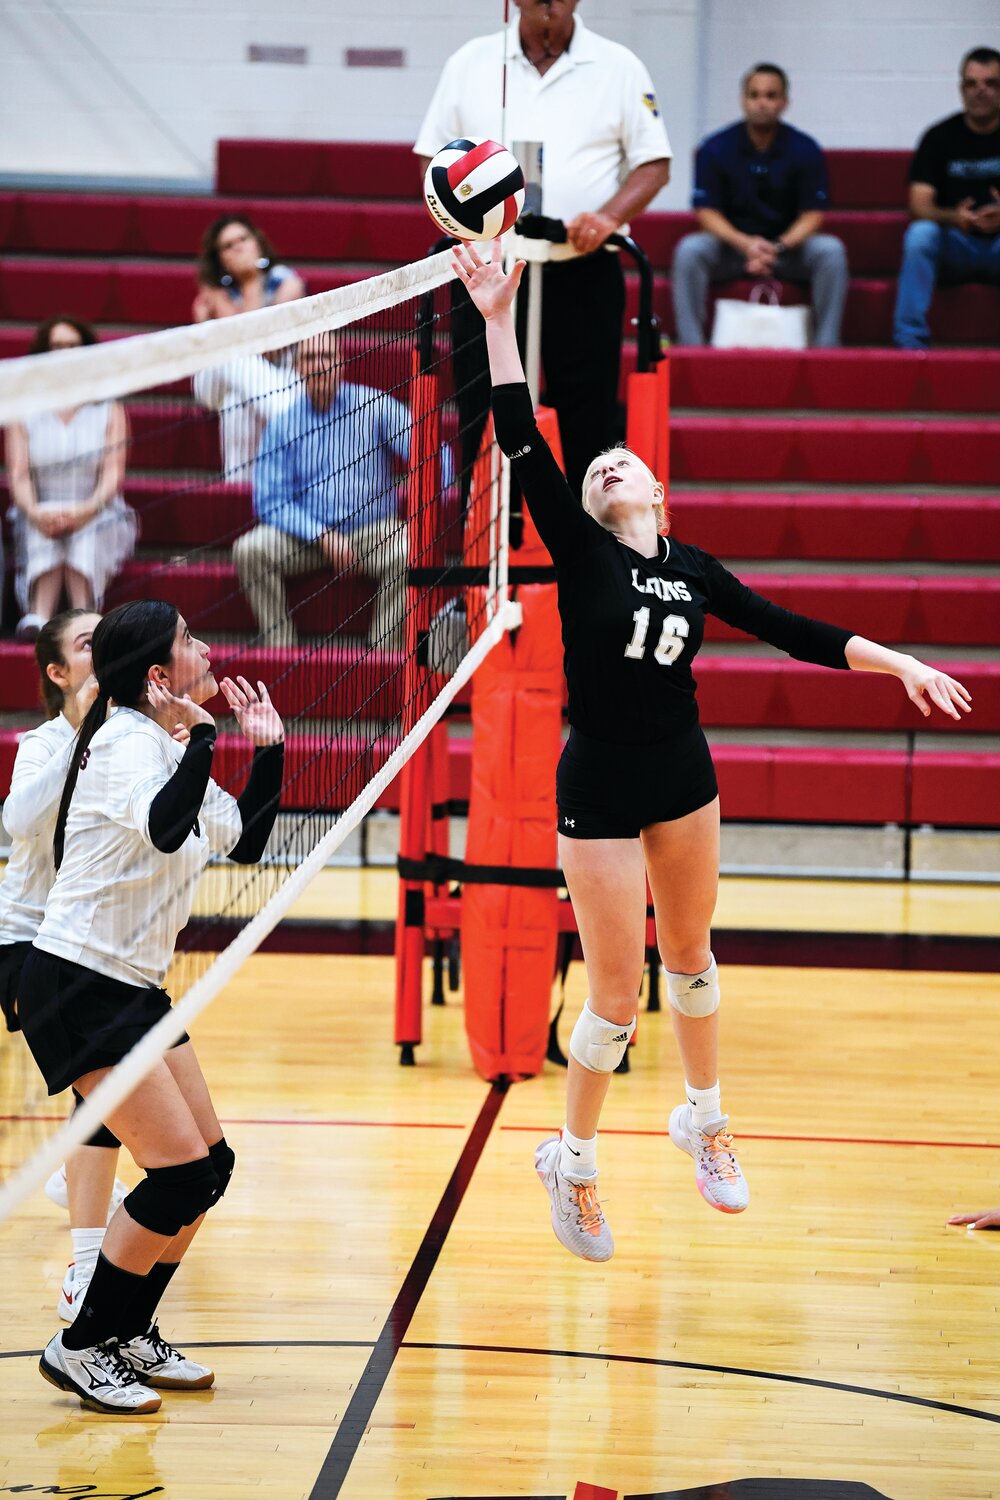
717	1173
576	1213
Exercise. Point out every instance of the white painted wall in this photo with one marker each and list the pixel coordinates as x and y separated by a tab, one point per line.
144	88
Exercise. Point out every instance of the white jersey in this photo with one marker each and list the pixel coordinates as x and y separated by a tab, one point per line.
118	902
29	813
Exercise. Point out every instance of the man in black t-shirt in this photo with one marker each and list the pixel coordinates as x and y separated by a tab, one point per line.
954	200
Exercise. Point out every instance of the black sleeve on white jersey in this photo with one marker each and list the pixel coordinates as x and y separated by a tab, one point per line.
258	803
563	524
174	810
802	637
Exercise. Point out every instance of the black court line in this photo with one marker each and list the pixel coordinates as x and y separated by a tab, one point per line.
683	1364
356	1418
514	1349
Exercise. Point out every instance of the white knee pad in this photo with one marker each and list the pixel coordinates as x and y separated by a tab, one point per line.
597	1044
695	994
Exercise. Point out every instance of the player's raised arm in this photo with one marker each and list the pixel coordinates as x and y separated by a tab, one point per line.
493	290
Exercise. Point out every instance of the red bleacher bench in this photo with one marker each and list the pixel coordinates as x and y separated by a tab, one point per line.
784	784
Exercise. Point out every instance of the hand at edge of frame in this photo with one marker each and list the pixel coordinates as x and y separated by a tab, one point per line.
984	1218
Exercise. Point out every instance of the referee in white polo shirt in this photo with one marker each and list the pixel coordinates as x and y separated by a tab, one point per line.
591	104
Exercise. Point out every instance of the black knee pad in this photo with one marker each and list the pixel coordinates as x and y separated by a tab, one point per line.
102	1136
168	1198
223	1159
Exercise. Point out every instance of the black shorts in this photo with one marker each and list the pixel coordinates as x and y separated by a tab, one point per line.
12	956
608	791
76	1020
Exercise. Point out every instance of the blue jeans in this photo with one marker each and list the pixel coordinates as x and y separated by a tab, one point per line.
931	251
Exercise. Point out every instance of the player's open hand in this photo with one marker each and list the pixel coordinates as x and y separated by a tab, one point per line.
253	710
986	1218
926	685
176	711
491	289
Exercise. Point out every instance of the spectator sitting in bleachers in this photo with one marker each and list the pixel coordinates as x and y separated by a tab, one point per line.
237	272
72	528
954	200
326	495
759	194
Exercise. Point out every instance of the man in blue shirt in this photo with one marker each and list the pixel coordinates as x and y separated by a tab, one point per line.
759	194
326	496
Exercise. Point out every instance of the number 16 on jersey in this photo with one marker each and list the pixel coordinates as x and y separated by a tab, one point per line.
668	647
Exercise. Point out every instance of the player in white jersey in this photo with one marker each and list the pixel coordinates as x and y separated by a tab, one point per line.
138	819
86	1185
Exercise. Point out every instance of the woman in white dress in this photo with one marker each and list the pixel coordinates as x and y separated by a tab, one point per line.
73	529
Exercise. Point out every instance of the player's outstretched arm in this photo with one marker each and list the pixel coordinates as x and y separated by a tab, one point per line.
493	292
924	685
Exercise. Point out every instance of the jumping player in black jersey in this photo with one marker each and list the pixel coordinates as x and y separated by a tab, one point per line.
137	822
636	788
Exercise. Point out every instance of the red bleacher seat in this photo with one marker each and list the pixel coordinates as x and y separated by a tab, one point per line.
784	784
850	526
302	169
954	380
813	450
868	179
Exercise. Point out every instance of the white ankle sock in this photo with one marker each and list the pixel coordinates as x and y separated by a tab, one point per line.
86	1248
577	1158
706	1104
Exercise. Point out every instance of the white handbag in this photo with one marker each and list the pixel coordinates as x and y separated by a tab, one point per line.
760	323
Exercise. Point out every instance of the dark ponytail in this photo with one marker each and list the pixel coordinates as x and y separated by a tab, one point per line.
50	651
127	641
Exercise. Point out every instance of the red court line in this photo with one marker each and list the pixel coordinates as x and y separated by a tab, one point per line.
825	1140
743	1135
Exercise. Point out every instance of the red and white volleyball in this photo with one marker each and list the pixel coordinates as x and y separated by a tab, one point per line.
474	189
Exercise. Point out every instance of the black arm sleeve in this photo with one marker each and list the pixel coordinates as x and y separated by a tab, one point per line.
258	803
563	524
802	637
174	810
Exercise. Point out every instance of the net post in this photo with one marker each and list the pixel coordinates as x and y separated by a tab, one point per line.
415	789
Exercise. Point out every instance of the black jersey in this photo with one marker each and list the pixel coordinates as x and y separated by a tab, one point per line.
632	625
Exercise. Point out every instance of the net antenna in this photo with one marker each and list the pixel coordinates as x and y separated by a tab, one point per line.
343	675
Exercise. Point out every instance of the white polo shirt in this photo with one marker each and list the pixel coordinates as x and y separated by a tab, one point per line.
594	111
36	787
118	902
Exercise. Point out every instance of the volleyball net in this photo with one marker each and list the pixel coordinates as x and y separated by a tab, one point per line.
304	483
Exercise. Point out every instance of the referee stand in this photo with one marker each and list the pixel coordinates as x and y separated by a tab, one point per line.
496	914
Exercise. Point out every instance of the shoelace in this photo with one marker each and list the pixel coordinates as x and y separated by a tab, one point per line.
723	1149
158	1343
585	1197
110	1357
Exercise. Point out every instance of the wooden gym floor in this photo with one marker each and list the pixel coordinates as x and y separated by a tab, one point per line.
389	1314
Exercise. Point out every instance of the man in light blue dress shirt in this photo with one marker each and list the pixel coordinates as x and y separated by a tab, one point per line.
326	496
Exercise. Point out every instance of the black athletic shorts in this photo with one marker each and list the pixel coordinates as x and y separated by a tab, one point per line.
75	1020
12	956
608	791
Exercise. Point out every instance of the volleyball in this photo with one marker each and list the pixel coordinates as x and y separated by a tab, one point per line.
474	189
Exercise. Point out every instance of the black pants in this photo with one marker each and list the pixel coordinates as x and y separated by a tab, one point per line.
583	303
